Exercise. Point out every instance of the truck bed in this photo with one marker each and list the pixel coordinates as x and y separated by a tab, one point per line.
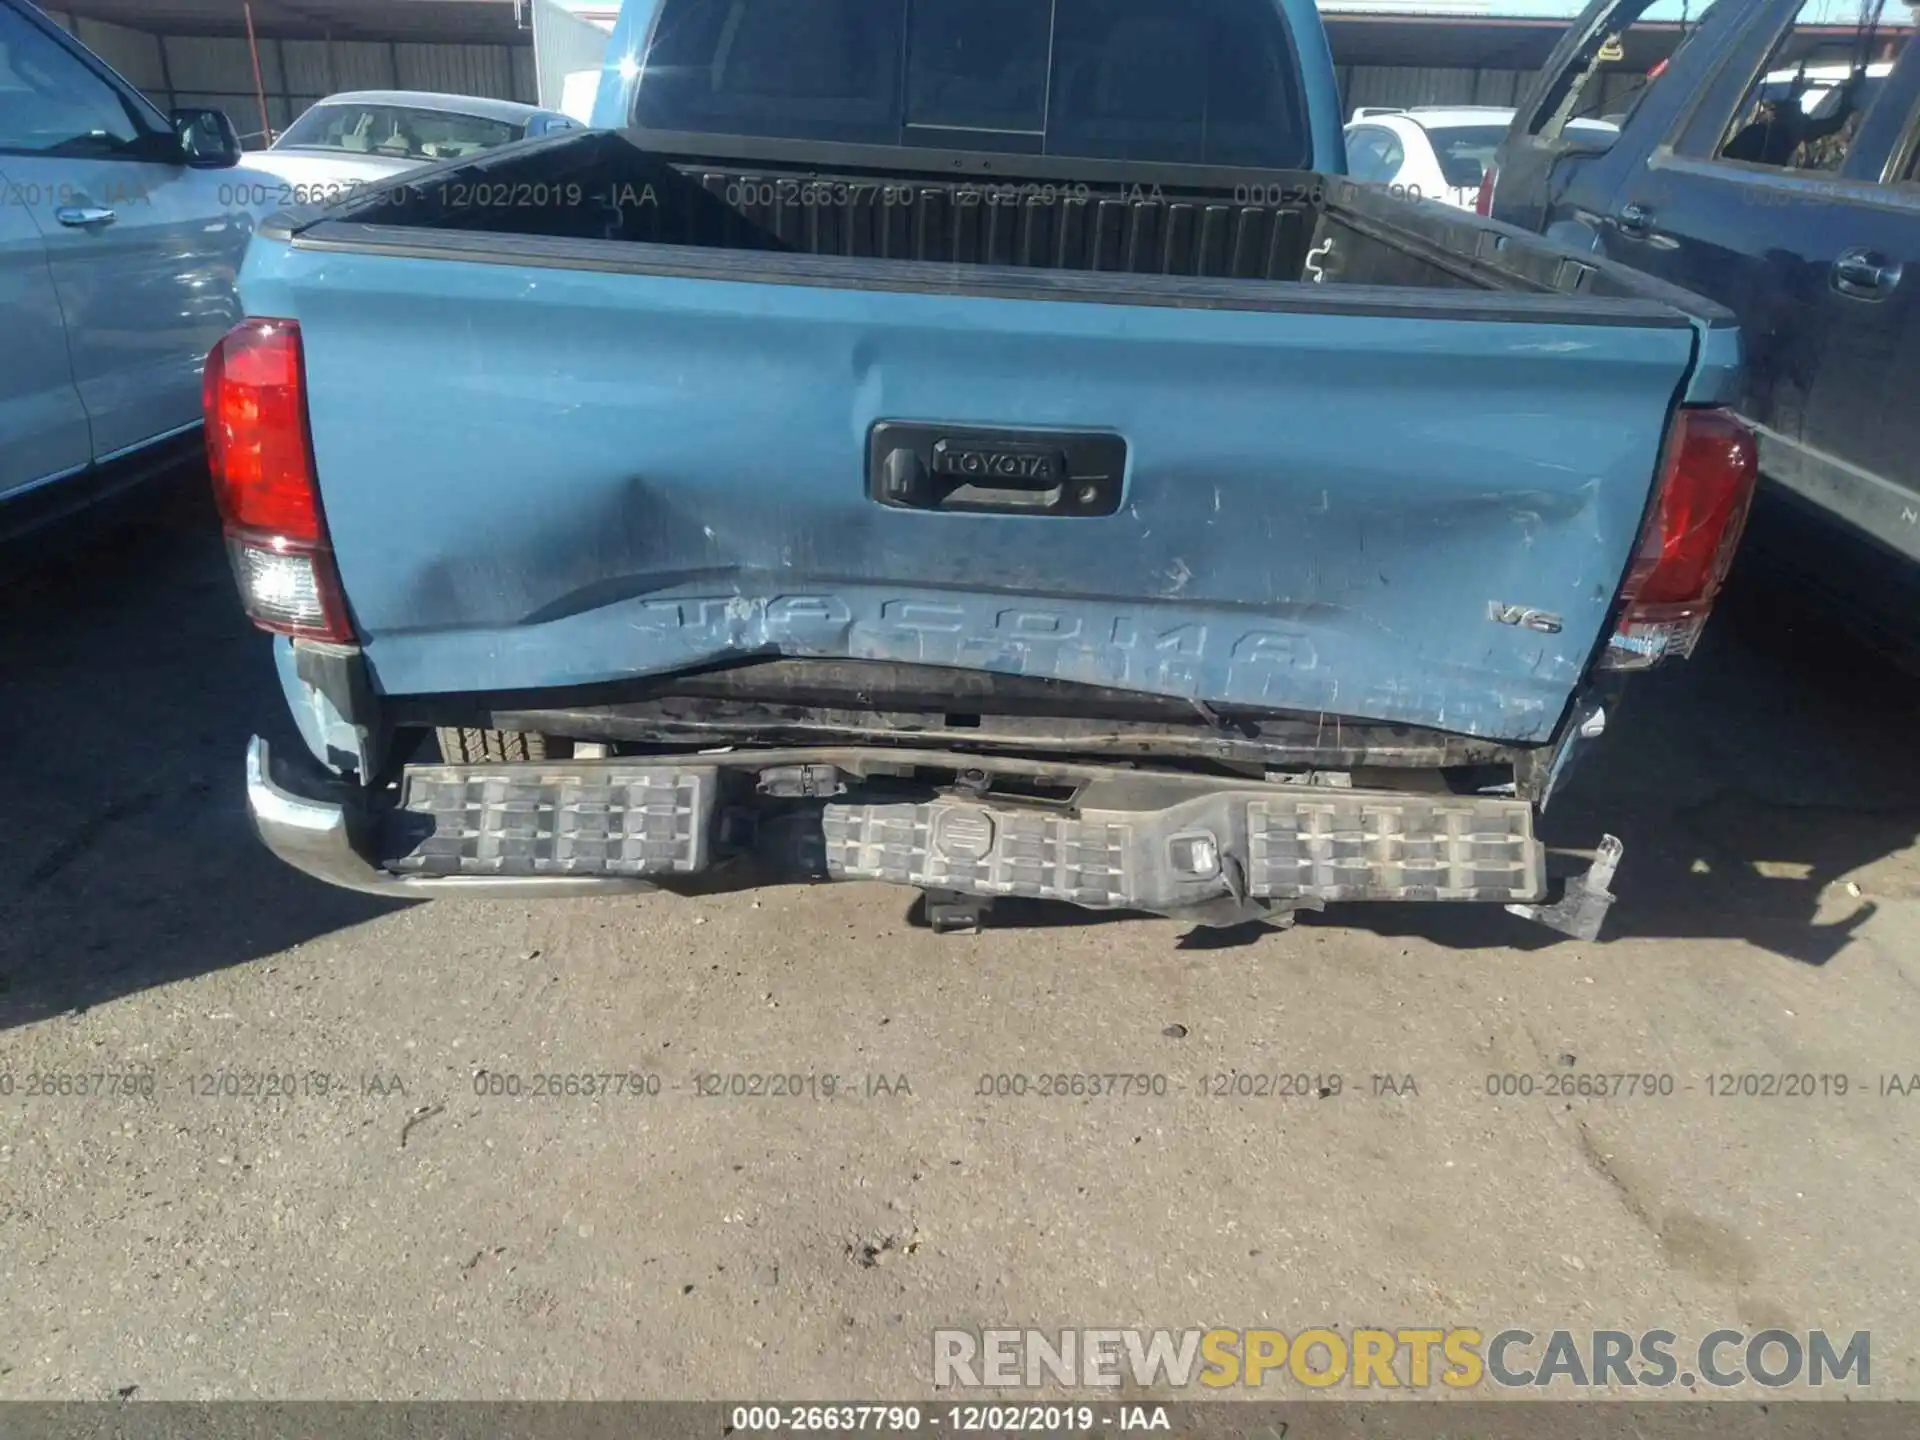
638	188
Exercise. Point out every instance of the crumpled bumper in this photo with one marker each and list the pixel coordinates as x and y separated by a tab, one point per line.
1105	837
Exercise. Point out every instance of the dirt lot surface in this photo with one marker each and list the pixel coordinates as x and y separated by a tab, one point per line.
401	1226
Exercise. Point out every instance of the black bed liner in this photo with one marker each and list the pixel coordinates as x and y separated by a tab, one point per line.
1024	223
726	205
604	186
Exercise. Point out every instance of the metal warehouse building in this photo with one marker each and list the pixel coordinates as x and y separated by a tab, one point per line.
199	52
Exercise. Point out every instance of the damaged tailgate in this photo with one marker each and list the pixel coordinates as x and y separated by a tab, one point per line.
1407	506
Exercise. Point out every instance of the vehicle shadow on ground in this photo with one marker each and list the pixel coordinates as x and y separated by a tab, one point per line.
1767	791
133	682
1750	785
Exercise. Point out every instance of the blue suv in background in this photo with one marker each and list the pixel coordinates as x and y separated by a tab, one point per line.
1771	164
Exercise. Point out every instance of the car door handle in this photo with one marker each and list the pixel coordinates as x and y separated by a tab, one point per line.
1864	274
79	215
1634	219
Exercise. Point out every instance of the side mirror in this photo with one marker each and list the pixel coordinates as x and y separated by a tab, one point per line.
208	140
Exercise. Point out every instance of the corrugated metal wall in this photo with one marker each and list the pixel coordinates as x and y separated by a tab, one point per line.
207	70
1405	85
563	45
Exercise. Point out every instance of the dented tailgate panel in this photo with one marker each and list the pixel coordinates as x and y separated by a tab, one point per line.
543	477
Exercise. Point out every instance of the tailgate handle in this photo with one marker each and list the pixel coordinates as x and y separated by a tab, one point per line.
998	477
994	472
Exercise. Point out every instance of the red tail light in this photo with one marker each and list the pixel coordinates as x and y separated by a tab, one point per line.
1483	202
1688	542
261	456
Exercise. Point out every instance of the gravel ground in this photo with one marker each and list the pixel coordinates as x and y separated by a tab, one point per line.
395	1229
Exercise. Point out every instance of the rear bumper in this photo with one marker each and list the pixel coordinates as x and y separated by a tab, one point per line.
1116	839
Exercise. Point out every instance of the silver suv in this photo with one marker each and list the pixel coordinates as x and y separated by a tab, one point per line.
119	244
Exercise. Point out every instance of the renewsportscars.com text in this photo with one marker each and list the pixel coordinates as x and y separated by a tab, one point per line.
1457	1358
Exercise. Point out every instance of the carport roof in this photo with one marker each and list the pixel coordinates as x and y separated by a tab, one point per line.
458	21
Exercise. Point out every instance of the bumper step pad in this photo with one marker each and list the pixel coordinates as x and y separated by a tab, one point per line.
618	821
1358	848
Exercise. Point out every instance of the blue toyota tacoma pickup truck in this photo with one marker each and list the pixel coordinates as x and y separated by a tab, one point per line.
983	445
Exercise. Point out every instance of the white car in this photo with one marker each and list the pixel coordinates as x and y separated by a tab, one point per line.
367	135
1438	152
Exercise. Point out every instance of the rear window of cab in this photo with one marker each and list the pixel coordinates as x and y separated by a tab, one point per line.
1209	82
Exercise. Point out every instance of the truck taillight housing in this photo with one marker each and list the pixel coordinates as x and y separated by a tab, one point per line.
1483	201
1688	542
260	453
